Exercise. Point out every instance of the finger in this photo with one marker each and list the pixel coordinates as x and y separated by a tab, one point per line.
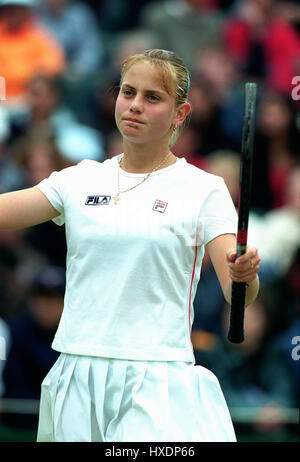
231	255
244	277
251	253
248	265
247	276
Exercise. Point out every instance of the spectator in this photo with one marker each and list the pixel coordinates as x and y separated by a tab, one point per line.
276	150
187	146
30	356
205	119
218	71
184	26
9	179
264	45
208	308
277	247
45	106
130	43
114	144
38	156
47	111
277	232
289	337
119	15
26	49
18	261
75	27
290	12
254	373
102	105
4	128
226	164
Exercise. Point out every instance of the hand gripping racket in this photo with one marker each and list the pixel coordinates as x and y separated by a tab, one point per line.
236	327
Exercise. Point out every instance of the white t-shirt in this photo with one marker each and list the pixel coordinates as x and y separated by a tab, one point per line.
133	268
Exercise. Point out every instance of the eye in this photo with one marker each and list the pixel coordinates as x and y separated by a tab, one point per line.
153	98
127	92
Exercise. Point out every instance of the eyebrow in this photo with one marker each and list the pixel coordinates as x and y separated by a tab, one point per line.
127	85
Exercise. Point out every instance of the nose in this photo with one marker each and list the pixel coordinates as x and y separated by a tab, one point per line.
136	105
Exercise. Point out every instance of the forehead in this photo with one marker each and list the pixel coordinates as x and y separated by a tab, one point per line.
148	75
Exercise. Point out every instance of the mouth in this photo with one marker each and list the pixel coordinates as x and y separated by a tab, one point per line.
135	121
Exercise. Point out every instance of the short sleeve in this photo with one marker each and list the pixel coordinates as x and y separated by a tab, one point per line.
52	188
217	214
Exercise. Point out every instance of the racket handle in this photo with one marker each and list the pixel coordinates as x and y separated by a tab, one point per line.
236	326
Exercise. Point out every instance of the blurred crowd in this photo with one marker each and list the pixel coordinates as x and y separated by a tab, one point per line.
60	62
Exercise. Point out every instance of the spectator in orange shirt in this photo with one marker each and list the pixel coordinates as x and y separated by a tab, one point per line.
26	48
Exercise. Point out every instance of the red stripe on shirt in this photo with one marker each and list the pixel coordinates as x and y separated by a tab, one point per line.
193	275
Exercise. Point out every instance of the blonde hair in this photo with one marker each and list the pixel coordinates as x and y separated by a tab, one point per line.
174	74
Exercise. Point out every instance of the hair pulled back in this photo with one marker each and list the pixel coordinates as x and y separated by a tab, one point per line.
174	74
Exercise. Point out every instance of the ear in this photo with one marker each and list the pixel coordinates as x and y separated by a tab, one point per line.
181	113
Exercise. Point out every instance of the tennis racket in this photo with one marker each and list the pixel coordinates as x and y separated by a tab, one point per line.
236	326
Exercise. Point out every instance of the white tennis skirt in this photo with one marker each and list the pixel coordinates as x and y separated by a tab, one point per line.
90	399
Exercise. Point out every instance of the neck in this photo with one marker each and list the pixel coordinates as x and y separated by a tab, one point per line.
142	159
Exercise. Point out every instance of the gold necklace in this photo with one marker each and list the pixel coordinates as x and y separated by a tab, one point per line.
117	196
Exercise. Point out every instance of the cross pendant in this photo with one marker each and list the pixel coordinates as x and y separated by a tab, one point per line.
116	199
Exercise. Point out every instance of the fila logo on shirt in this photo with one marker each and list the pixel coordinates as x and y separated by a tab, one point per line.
159	206
97	200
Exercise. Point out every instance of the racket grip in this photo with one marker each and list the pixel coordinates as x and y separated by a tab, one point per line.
236	326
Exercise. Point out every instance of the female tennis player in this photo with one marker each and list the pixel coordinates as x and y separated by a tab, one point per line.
136	227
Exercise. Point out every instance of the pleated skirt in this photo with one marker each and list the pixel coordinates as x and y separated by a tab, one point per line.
91	399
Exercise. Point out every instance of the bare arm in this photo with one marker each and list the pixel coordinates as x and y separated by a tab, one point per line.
25	208
222	253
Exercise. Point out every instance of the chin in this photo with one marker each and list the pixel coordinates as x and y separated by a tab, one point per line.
133	135
134	139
